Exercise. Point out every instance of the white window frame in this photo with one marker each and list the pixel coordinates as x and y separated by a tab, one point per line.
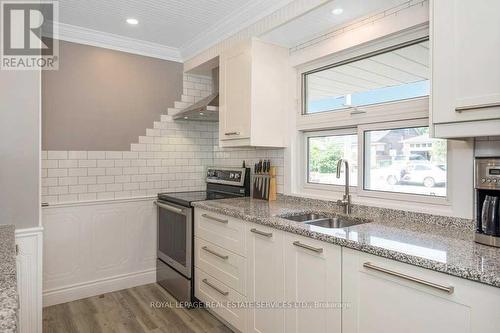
412	112
304	166
423	198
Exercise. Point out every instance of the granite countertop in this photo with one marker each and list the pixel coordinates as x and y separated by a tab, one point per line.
439	243
9	302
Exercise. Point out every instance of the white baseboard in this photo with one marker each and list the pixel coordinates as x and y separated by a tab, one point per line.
29	278
96	287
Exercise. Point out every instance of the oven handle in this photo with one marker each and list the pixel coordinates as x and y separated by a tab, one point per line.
170	208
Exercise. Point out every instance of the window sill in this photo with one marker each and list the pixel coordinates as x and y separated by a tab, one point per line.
430	205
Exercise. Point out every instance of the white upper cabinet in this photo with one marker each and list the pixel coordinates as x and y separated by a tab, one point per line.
465	45
253	95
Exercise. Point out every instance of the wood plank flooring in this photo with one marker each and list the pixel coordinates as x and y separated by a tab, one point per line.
129	310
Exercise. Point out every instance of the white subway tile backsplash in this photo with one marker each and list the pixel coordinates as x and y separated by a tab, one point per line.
67	164
50	164
105	195
114	171
96	155
87	196
76	189
97	188
57	155
68	198
114	187
57	172
87	180
105	179
68	180
105	163
77	172
87	163
96	171
114	155
77	155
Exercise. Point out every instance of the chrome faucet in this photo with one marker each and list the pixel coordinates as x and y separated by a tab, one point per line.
346	201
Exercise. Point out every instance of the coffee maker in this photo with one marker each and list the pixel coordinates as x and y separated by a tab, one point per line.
487	200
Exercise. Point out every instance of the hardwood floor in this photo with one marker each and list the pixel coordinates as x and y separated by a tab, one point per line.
129	310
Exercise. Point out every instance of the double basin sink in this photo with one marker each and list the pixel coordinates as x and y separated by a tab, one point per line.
326	221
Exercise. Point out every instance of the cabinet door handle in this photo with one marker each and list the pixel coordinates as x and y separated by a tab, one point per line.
214	218
222	292
262	233
232	133
477	106
308	247
447	289
215	253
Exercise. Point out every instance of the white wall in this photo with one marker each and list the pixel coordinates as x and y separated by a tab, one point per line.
19	148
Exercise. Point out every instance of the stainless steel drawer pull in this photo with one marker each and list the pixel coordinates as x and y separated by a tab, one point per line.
214	218
447	289
308	247
215	253
222	292
475	107
232	133
262	233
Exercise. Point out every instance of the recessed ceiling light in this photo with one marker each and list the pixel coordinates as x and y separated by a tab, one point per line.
132	21
201	113
337	11
186	117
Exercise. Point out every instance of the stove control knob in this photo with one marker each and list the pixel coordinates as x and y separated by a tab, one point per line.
237	176
488	180
495	181
483	180
231	175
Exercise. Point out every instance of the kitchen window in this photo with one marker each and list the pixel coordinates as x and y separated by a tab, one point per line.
405	160
395	74
323	153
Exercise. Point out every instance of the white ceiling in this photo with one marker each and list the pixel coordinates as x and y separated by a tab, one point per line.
169	23
321	20
405	65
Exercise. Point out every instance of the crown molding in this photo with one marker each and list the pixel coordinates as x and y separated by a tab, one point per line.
250	14
80	35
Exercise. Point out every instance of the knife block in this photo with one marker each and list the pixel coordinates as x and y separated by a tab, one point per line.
264	185
272	184
260	186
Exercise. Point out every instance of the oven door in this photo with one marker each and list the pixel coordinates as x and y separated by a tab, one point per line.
175	236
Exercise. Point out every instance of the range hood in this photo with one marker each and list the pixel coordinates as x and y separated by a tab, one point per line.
206	109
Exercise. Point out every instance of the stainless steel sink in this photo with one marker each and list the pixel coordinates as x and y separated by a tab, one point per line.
306	217
325	221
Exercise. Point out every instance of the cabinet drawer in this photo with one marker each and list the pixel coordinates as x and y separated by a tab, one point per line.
213	292
221	230
222	264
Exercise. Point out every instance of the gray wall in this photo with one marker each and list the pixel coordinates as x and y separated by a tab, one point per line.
101	99
19	148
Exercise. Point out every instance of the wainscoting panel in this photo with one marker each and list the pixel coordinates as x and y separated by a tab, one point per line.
29	279
92	248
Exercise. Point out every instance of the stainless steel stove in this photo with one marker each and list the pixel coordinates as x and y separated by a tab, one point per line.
174	265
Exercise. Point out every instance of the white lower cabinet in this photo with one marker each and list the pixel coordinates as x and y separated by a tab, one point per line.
312	278
386	296
265	279
220	299
297	284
